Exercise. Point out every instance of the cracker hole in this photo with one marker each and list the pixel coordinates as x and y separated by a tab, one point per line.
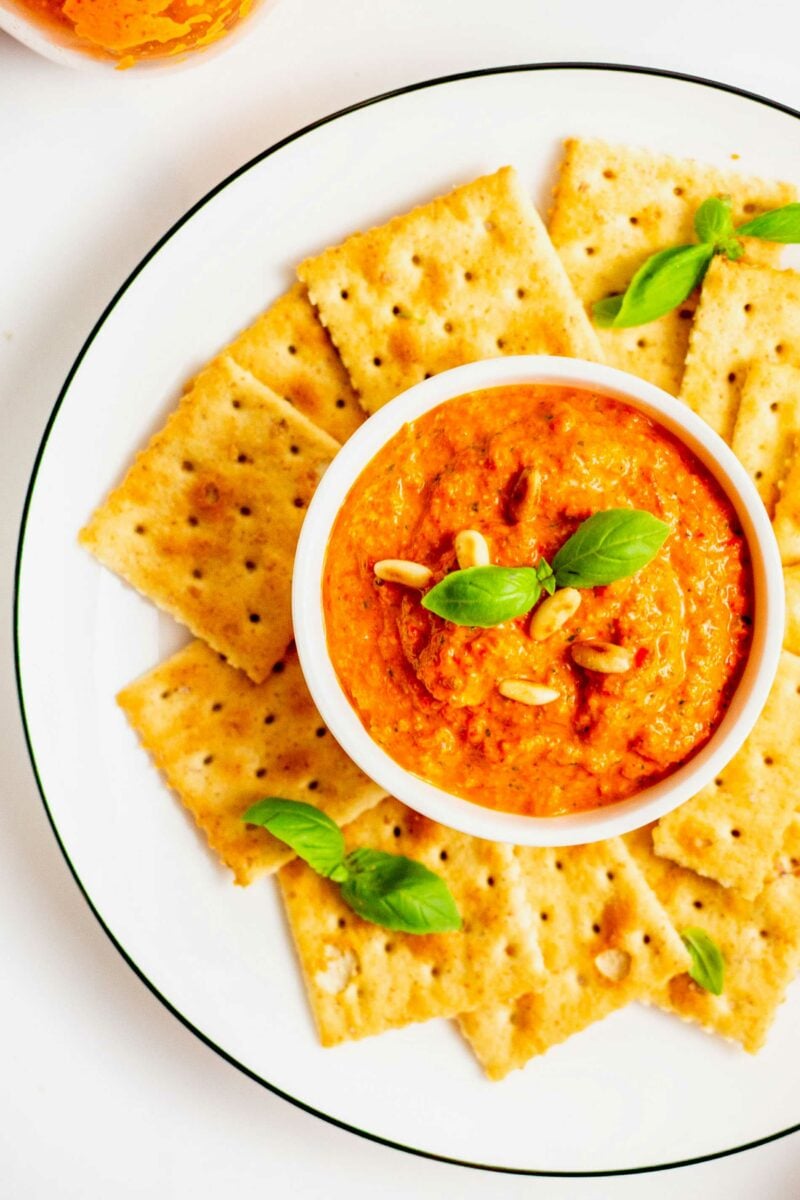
245	510
768	760
344	294
779	348
416	260
719	781
590	250
685	314
388	947
609	174
377	361
543	916
236	404
197	573
269	719
633	220
759	474
559	865
468	276
217	707
748	307
641	343
595	928
500	343
292	349
511	950
764	933
736	833
278	667
242	458
520	293
774	406
321	731
261	772
296	449
397	831
677	191
186	465
299	502
254	618
249	565
448	327
209	758
166	695
749	208
443	856
646	939
490	880
731	377
434	972
192	521
339	404
342	923
427	375
139	529
312	785
610	875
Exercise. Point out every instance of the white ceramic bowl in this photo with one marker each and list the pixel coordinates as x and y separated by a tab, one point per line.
454	811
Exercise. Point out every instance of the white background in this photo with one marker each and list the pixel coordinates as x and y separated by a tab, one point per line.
102	1092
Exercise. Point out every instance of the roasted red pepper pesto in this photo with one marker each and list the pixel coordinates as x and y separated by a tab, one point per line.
426	689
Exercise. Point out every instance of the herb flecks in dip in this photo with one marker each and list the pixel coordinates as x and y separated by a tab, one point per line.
524	466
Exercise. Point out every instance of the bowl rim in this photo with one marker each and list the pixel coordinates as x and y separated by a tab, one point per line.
445	807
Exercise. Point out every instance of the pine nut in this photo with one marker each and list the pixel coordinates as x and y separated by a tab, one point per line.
472	549
399	570
526	692
554	612
613	964
524	498
604	657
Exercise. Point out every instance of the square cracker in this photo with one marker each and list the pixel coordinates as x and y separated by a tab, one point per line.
759	940
766	425
605	939
362	979
613	207
786	521
470	275
289	351
746	315
791	636
206	521
224	742
732	830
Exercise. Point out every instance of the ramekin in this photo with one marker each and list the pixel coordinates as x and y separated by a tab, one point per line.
454	811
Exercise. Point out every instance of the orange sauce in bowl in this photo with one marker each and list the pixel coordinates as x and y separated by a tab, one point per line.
427	690
132	31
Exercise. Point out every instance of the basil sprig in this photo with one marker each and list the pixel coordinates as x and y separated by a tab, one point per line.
667	278
608	546
708	966
386	889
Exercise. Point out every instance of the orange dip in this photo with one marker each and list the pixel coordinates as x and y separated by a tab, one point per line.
132	30
426	689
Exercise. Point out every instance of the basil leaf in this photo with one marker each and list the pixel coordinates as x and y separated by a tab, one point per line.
713	221
608	546
662	283
780	225
606	311
398	893
310	833
484	596
708	965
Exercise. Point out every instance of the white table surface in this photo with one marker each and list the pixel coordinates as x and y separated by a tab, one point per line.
102	1092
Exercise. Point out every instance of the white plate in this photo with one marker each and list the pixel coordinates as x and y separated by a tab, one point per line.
637	1091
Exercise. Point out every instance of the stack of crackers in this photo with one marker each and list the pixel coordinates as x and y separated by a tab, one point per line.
206	522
